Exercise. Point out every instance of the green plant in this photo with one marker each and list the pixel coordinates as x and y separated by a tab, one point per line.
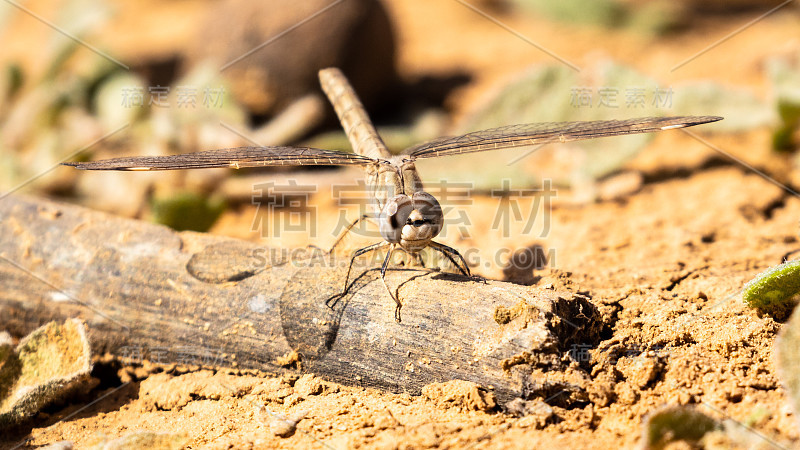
775	289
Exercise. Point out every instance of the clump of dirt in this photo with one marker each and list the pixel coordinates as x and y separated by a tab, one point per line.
460	394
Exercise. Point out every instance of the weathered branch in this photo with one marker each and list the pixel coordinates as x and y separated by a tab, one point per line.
138	287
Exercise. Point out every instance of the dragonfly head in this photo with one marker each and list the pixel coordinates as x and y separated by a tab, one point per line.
411	221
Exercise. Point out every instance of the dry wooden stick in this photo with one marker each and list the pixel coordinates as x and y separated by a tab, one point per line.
149	292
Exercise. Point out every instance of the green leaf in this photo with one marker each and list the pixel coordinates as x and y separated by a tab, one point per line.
774	290
187	211
677	424
784	73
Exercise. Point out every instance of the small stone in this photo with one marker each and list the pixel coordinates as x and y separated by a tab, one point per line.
640	370
601	392
292	400
52	363
308	385
536	413
626	394
280	424
683	398
528	421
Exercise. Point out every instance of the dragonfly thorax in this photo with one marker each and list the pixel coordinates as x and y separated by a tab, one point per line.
411	221
391	178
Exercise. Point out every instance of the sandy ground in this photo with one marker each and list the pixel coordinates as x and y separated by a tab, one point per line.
664	264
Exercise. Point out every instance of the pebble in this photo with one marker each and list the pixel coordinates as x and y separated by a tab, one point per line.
280	424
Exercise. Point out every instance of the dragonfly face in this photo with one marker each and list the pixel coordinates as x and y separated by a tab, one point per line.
411	221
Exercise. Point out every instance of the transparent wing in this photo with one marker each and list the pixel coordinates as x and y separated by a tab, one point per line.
550	132
231	157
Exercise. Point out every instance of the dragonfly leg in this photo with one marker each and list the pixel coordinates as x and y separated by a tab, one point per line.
347	230
332	301
450	252
420	261
383	278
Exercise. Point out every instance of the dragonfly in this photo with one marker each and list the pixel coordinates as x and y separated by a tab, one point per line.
408	217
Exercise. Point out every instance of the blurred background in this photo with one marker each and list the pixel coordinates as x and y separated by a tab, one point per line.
91	79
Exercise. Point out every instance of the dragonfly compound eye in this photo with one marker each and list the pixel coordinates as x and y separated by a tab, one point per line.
394	216
425	221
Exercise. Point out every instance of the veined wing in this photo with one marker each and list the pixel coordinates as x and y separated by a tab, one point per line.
231	157
549	132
